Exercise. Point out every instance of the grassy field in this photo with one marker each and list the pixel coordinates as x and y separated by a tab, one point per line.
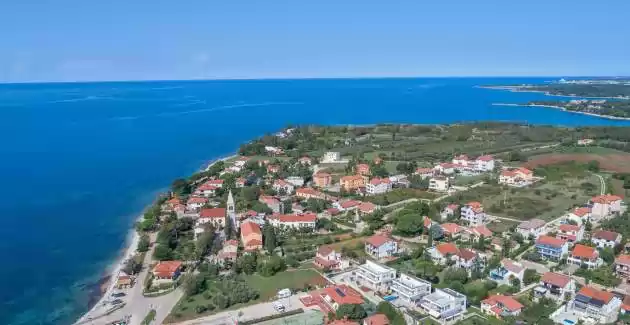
609	159
298	279
468	180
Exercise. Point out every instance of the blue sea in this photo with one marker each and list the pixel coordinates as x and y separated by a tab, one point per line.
80	161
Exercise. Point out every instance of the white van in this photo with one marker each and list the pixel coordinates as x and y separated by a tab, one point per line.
279	307
284	293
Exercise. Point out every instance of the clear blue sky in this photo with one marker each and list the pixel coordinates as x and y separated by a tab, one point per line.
70	40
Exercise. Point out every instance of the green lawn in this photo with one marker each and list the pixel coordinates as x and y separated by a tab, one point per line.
468	180
298	279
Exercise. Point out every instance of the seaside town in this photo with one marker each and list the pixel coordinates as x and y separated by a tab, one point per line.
463	224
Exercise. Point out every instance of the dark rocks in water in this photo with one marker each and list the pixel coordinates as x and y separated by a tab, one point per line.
97	290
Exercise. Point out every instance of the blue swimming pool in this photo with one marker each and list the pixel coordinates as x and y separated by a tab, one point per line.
568	322
390	298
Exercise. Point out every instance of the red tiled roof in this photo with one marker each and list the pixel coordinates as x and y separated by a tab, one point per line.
376	319
461	157
253	242
606	235
605	199
321	174
249	228
378	181
452	206
569	228
421	170
593	293
352	178
308	191
377	240
350	204
466	254
427	221
167	268
507	302
348	296
215	182
623	259
281	182
212	213
451	228
581	212
231	242
207	187
482	230
485	158
307	217
550	241
268	199
511	266
343	322
556	279
367	207
582	251
195	199
447	248
332	211
324	250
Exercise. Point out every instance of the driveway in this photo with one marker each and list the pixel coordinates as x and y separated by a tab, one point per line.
541	269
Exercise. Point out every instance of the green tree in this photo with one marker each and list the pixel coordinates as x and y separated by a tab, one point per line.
409	225
516	284
506	247
608	255
143	243
162	253
352	311
132	265
530	276
269	237
393	315
193	284
181	187
250	193
271	265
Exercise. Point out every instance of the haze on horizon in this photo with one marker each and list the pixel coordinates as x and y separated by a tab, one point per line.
73	40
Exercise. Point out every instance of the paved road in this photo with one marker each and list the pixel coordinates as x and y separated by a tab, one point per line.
603	184
540	268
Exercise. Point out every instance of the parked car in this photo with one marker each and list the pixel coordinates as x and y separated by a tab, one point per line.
118	294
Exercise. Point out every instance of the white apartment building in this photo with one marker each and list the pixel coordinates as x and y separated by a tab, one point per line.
484	163
375	276
439	184
445	304
597	305
410	289
331	156
378	186
473	213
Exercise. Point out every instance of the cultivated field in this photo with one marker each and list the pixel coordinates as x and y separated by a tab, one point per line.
614	162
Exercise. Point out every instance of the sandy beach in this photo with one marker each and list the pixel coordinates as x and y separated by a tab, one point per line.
133	241
565	110
220	159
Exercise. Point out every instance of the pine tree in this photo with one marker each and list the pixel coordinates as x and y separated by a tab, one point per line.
269	237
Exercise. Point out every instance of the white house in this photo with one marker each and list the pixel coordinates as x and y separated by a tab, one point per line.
484	163
378	186
596	305
603	238
273	150
282	185
516	177
445	168
442	253
424	172
327	257
215	216
531	228
380	246
445	304
508	270
410	289
462	160
195	203
206	190
295	181
585	255
331	156
375	276
570	233
296	221
580	215
605	205
439	184
473	214
448	211
555	286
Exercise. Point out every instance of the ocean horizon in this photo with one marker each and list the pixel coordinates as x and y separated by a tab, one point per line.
82	160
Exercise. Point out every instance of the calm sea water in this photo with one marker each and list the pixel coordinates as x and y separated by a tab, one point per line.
80	161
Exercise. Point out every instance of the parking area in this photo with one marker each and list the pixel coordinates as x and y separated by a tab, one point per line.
248	313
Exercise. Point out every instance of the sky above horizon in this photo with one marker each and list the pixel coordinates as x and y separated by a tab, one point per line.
78	40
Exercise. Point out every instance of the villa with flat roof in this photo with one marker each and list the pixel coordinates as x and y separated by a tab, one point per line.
375	276
446	304
410	289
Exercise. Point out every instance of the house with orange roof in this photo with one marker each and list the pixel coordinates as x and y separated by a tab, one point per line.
328	258
451	230
378	185
585	255
381	246
622	266
473	214
555	286
309	193
475	233
215	216
251	236
449	211
322	179
343	322
341	294
605	238
347	205
551	248
351	183
462	160
240	182
484	163
570	233
445	168
229	252
167	270
273	169
363	169
272	202
424	172
367	207
605	205
442	253
519	177
196	202
596	305
501	306
305	161
207	189
294	221
376	319
580	215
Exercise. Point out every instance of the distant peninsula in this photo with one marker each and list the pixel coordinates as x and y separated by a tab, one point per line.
607	98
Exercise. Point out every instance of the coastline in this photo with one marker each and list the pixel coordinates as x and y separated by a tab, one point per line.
130	250
517	89
565	110
131	245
